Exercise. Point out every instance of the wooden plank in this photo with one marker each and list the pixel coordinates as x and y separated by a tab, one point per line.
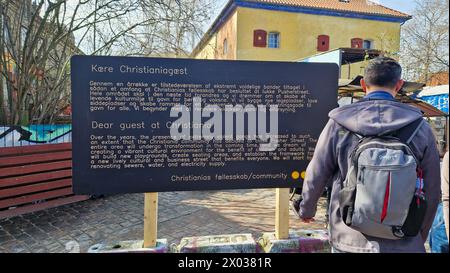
9	192
150	219
282	214
41	206
27	159
5	203
35	168
32	149
33	178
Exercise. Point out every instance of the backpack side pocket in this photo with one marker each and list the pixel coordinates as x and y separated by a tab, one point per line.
347	196
416	216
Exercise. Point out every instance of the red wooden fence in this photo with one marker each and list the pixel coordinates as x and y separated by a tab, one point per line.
35	177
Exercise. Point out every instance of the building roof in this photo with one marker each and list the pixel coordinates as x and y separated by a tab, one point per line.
439	78
359	6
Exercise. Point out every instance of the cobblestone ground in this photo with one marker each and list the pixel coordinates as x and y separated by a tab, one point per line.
120	217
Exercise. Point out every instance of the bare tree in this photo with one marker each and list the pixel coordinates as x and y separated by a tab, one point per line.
38	37
425	40
174	38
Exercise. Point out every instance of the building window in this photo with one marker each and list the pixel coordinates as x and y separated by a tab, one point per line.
225	46
323	43
274	39
367	44
259	38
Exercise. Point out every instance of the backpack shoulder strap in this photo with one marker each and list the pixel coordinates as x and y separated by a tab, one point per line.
408	132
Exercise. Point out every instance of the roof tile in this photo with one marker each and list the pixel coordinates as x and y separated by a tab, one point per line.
359	6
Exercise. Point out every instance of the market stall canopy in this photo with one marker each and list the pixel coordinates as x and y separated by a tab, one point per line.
352	88
341	56
427	109
436	96
353	55
434	91
354	85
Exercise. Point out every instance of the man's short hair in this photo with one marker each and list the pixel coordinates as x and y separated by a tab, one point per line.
383	72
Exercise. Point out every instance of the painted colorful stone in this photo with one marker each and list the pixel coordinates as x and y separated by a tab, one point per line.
302	241
230	243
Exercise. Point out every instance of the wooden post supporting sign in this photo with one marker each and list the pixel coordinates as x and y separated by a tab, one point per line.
150	219
282	214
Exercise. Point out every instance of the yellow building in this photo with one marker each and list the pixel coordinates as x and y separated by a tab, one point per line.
290	30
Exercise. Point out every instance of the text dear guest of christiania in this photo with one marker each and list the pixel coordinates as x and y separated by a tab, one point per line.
140	70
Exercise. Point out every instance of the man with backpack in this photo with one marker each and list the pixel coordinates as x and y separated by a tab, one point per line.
383	159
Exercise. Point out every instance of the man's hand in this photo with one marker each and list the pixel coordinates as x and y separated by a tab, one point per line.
307	220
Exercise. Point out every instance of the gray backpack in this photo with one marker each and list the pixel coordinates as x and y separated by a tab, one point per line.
382	194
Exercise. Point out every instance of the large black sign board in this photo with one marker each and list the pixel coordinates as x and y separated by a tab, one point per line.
154	124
